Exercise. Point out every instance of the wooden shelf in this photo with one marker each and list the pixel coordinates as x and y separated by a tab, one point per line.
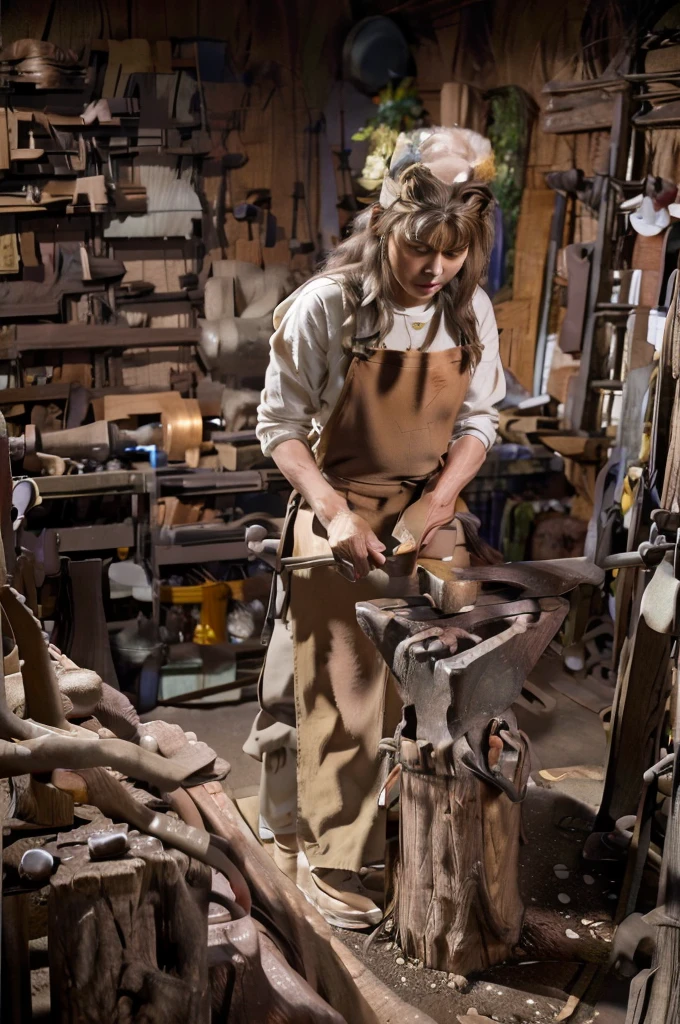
32	337
56	391
106	482
195	554
96	538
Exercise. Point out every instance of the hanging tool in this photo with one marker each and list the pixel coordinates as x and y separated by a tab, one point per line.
297	247
347	200
311	150
257	210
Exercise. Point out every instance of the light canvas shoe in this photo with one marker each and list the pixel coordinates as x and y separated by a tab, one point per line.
286	855
339	896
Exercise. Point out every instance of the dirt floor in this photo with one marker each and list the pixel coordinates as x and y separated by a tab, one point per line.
584	901
524	991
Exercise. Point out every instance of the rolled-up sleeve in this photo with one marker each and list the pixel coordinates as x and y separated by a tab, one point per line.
298	368
478	414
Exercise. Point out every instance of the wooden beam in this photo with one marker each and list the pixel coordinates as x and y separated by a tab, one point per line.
4	141
96	538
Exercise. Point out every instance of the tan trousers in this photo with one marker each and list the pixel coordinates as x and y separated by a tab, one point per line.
319	748
345	704
272	738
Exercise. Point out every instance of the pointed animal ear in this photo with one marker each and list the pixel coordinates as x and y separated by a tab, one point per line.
477	197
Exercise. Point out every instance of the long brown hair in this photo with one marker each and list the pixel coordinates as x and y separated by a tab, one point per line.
446	217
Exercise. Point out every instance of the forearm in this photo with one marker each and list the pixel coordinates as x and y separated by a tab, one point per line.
296	462
465	458
463	462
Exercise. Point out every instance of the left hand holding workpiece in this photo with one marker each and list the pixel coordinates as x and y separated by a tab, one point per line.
464	459
440	513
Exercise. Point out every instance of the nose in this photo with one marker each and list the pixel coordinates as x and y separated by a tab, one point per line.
435	265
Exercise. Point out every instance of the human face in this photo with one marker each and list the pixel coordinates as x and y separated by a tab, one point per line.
420	271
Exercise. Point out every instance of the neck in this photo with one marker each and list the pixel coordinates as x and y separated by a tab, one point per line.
407	301
402	298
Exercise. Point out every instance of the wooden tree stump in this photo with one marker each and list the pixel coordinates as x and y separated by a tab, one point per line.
463	768
128	938
459	907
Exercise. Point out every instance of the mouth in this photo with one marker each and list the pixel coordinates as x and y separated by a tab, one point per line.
432	287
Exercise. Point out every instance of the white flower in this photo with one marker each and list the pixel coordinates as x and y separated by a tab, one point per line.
375	167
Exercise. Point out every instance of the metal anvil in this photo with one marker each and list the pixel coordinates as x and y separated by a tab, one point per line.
549	578
458	675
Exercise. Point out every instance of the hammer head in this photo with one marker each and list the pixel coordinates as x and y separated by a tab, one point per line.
36	865
260	544
108	843
402	562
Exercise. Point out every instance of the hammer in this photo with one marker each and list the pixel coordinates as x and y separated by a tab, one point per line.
402	563
266	549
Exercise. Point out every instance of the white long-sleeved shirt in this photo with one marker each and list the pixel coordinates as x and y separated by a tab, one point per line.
308	364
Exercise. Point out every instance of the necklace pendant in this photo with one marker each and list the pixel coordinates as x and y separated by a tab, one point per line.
417	325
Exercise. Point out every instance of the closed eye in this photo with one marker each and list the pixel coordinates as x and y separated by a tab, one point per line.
422	250
425	250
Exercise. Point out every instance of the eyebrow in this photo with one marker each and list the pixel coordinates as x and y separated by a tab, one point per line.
425	245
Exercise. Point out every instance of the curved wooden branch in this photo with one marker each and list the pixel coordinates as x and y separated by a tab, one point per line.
43	700
43	751
52	742
252	981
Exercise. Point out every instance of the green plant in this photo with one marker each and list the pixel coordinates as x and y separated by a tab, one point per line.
508	131
399	108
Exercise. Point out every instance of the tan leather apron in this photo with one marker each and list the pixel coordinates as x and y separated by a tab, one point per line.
385	439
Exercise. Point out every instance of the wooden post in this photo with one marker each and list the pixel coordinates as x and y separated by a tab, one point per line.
640	699
127	938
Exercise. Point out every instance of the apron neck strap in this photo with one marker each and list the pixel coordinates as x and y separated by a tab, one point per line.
431	331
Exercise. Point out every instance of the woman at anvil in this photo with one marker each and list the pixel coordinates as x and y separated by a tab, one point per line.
380	393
